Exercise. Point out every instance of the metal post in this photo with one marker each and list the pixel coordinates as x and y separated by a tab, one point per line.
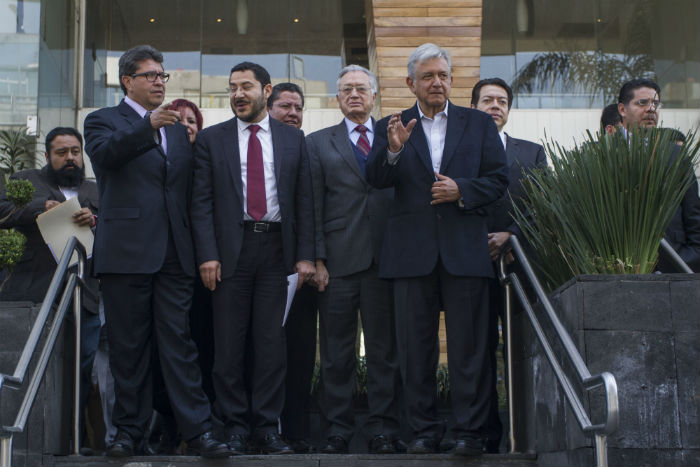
601	450
6	451
509	370
76	382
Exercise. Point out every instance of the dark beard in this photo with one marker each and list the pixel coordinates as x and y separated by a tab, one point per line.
67	177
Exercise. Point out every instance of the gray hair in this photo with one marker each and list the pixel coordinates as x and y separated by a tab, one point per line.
425	52
349	68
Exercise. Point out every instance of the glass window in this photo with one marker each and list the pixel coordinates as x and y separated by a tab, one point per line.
302	41
19	60
578	54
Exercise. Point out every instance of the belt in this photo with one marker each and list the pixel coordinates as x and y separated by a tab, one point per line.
262	227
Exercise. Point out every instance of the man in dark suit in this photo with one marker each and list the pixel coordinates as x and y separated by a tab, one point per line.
495	97
351	218
252	217
638	104
286	104
62	177
446	164
143	254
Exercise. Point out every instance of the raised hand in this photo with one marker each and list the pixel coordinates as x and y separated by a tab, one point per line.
162	117
397	133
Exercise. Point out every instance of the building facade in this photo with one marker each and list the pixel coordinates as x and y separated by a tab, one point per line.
566	60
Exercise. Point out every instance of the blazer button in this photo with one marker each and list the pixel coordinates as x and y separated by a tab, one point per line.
439	216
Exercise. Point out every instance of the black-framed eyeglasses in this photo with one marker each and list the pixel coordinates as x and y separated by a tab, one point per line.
655	104
151	76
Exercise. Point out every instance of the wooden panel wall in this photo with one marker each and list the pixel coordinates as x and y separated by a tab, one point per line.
396	27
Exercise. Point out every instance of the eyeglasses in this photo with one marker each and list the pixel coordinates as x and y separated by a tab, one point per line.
360	89
151	76
654	104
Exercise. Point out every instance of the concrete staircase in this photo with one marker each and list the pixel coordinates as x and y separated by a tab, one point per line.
307	460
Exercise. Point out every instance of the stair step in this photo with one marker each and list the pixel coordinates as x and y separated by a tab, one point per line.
307	460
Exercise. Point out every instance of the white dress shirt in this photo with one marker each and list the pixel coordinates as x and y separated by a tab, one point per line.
435	130
265	137
142	113
69	191
504	138
355	135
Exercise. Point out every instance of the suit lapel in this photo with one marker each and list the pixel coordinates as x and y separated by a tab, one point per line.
456	123
229	141
512	150
276	148
341	142
417	138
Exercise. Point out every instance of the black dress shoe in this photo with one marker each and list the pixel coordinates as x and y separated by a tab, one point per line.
336	445
122	446
468	446
206	445
422	445
238	444
273	444
301	446
381	444
400	446
491	446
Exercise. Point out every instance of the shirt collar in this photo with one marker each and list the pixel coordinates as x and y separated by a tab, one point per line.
138	108
504	138
350	125
264	124
443	111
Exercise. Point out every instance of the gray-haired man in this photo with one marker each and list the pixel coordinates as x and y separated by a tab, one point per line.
350	220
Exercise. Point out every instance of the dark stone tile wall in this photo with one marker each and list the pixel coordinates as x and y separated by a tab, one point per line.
644	330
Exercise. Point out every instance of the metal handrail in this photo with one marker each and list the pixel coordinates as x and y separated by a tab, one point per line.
604	379
674	257
73	285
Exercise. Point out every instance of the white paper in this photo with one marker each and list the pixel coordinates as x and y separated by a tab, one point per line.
292	280
56	226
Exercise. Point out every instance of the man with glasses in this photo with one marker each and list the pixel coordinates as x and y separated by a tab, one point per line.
350	219
252	219
639	103
143	254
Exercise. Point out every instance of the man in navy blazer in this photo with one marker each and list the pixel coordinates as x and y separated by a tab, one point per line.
252	217
495	97
447	165
143	254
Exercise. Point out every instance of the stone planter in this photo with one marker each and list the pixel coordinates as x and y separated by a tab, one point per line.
644	330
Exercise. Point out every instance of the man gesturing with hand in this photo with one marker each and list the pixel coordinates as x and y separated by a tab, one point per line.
143	254
446	164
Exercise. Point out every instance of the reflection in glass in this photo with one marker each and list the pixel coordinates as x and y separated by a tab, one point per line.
578	54
303	41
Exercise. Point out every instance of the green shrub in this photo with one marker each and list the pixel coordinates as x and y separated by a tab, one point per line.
603	206
11	248
19	192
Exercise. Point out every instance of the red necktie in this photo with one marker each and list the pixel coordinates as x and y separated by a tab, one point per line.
255	187
363	142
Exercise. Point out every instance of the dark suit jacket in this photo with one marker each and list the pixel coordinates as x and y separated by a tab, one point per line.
683	233
217	195
31	277
350	214
143	192
522	157
418	232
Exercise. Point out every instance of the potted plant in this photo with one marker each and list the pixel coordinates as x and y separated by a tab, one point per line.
595	220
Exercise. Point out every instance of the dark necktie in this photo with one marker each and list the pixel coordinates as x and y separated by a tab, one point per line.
363	143
255	186
156	133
